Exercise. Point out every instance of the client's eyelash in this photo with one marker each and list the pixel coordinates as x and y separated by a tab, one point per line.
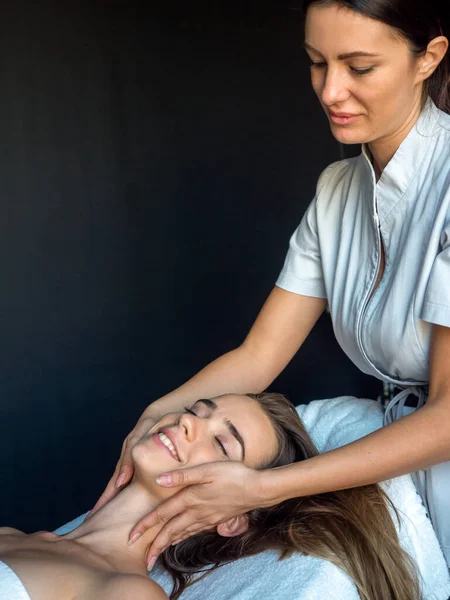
222	447
219	443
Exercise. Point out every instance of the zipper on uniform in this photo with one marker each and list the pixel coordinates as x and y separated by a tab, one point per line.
370	291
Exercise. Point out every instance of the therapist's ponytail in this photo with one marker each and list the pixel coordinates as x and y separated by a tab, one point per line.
351	528
418	22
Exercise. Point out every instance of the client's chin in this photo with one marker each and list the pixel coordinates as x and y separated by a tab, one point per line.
150	462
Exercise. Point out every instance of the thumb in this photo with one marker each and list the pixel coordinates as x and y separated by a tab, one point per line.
182	477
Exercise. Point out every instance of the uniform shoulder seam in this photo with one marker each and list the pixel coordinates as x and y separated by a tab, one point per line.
332	170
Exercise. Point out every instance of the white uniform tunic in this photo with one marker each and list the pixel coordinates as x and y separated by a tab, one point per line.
335	253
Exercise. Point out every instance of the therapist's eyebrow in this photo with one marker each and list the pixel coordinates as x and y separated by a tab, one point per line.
346	55
231	428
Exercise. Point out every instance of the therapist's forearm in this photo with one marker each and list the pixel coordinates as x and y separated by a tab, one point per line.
414	442
237	372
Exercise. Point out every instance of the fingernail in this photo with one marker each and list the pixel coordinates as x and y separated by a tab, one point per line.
151	563
134	538
120	480
176	542
165	479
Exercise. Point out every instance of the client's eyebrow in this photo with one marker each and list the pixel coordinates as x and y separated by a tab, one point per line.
209	403
231	428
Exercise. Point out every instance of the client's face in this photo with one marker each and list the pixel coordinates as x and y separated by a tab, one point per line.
230	427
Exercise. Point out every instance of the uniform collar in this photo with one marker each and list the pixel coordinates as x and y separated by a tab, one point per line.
406	162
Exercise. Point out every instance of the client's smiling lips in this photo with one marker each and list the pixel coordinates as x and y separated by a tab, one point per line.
172	439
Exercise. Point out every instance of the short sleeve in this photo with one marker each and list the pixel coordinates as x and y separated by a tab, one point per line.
436	305
302	271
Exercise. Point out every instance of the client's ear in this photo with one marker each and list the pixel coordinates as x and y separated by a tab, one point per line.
234	526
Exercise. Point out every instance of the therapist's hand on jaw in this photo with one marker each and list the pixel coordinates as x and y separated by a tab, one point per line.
124	471
215	492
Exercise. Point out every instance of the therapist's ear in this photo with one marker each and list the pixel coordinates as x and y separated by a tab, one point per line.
234	526
433	56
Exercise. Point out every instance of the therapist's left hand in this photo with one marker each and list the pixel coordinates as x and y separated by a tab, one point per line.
215	492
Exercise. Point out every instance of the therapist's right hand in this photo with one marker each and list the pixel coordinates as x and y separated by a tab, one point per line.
124	470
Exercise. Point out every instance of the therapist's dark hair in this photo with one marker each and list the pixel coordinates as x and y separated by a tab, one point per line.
418	22
351	528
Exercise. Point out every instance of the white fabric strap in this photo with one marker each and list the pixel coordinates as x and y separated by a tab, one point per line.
396	407
433	484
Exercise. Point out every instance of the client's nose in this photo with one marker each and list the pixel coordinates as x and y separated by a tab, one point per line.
190	426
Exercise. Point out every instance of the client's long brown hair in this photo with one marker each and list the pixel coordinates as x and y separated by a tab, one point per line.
351	528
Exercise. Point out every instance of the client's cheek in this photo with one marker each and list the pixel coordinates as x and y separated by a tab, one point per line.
166	421
202	456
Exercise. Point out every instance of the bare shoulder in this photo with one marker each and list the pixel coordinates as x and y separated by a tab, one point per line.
10	531
127	586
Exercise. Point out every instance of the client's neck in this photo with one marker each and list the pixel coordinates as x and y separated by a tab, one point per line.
106	532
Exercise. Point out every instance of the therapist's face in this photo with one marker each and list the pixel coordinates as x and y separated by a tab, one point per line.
227	428
382	91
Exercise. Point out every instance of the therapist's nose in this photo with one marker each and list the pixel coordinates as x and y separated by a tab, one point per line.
334	86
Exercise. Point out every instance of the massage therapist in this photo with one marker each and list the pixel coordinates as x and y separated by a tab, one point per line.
374	245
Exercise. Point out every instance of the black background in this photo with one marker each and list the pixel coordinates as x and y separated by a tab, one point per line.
154	163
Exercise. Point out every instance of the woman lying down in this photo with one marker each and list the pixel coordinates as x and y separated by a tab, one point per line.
351	528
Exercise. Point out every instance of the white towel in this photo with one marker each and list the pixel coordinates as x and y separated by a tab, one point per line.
11	588
336	422
331	423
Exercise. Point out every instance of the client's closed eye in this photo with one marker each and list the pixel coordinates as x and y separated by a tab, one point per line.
219	444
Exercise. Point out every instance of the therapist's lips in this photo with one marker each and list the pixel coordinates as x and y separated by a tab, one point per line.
343	118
